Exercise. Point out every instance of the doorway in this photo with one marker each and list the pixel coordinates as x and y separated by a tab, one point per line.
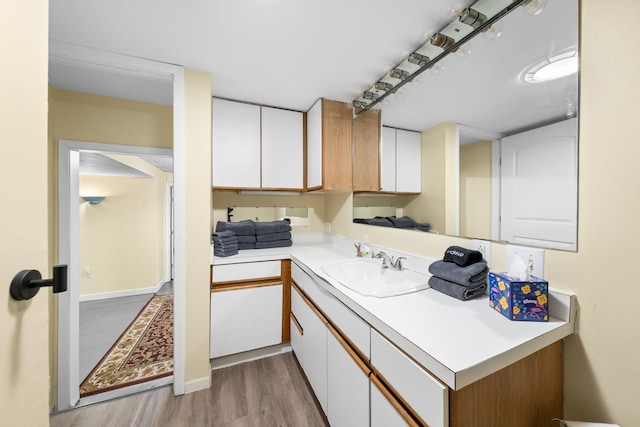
83	270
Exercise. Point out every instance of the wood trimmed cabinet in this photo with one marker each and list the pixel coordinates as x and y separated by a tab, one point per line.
380	385
257	147
248	304
329	128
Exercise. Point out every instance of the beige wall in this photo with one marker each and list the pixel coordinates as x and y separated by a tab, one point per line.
602	373
122	239
439	155
24	369
197	215
475	190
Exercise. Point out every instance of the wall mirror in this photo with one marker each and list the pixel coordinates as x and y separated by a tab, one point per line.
297	216
485	104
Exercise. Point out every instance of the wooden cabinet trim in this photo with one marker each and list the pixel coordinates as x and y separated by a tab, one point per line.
245	284
399	406
349	349
292	317
285	278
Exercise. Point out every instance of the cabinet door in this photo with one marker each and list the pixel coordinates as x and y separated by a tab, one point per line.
366	155
314	146
348	386
408	161
245	319
314	342
388	160
282	154
236	144
383	412
425	394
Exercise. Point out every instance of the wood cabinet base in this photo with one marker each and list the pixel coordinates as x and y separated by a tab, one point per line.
527	393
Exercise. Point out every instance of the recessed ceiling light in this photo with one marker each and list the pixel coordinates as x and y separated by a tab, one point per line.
552	68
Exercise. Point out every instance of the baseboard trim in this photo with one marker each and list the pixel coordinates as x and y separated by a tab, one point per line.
197	384
125	293
247	356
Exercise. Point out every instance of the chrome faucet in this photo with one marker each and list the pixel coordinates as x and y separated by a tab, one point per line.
389	262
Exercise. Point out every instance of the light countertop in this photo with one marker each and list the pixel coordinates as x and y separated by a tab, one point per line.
460	342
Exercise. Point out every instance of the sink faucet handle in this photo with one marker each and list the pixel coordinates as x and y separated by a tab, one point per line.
398	263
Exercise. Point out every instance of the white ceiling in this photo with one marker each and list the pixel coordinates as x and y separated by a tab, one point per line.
288	53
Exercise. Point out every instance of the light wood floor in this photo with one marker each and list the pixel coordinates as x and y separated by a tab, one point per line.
264	392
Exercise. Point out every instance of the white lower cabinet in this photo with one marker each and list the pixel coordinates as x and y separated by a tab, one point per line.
348	386
383	413
245	319
314	343
424	393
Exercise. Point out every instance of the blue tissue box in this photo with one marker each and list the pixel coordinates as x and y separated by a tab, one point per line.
517	299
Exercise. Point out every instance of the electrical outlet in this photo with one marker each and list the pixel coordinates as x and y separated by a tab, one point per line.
534	254
484	247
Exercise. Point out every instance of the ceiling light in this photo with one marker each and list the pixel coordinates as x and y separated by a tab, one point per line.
451	38
472	17
533	7
556	67
397	73
418	59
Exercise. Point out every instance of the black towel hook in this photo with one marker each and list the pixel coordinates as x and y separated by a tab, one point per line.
26	284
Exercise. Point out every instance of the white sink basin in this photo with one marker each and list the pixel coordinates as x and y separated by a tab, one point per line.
367	277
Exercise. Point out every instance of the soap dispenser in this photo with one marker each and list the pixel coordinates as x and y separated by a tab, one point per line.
365	248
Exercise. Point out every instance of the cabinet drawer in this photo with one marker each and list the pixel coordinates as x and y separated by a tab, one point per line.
297	305
426	395
339	314
245	271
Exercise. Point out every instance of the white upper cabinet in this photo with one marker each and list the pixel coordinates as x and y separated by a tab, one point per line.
282	154
408	161
400	161
314	145
388	160
257	147
236	144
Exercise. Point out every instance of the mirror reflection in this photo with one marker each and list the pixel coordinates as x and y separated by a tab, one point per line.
499	147
297	216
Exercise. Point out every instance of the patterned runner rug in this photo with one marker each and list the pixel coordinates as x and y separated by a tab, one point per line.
144	351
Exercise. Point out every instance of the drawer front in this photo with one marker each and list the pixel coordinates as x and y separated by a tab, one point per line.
297	306
426	395
346	320
245	271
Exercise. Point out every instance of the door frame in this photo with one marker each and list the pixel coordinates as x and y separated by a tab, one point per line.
69	253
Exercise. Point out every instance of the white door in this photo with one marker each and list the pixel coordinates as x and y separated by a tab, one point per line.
539	187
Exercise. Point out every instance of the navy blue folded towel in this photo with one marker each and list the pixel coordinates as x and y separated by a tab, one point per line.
464	276
380	221
463	293
462	256
242	228
225	253
275	236
402	222
274	244
246	239
225	241
224	234
243	246
272	227
225	246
